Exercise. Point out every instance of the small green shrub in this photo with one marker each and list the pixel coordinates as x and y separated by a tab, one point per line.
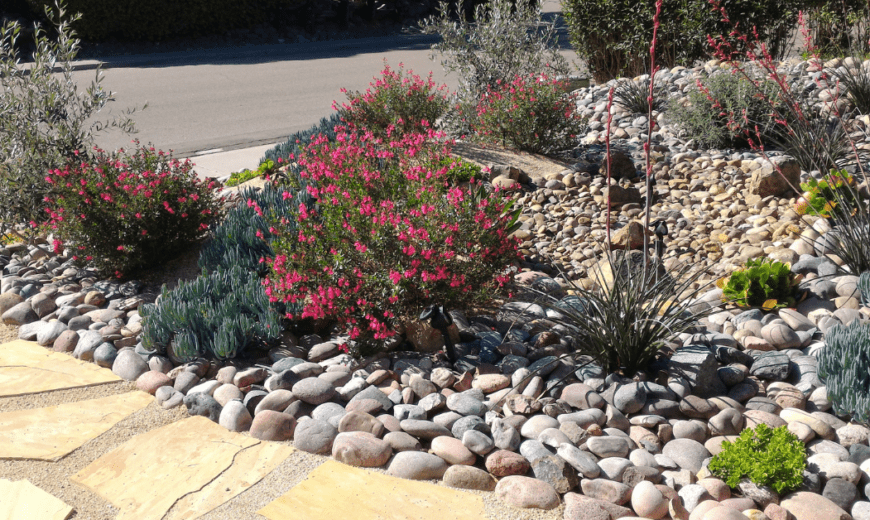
215	315
44	115
266	169
398	101
613	36
763	283
772	457
722	107
844	366
128	210
632	95
529	113
459	170
833	194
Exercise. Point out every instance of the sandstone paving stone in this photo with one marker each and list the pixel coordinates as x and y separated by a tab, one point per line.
142	477
24	500
26	368
323	496
361	449
526	493
53	432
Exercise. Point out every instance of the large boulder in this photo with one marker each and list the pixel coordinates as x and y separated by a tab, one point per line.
775	177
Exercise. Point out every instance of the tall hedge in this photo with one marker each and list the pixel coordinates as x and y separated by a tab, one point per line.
613	36
161	19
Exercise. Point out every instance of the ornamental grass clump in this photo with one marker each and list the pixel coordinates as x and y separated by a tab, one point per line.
530	113
634	96
397	101
844	366
772	457
387	237
123	211
630	315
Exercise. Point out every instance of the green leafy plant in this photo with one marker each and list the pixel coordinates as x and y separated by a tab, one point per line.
837	28
631	313
215	315
529	113
764	283
829	195
772	457
397	102
265	169
632	95
721	107
287	151
844	366
459	170
612	36
128	210
45	117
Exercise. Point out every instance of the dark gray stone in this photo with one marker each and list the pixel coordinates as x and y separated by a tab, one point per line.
771	366
204	405
697	365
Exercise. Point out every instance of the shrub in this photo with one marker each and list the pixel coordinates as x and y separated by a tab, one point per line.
763	283
218	314
244	237
459	170
43	116
508	39
632	95
265	169
838	28
612	36
124	211
384	238
530	113
824	197
631	314
721	108
162	19
772	457
293	146
395	102
844	366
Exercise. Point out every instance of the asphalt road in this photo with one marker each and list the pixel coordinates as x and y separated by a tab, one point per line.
243	97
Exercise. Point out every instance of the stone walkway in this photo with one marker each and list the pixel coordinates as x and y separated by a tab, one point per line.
182	470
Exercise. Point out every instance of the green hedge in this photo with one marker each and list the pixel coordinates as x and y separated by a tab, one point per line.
162	19
613	36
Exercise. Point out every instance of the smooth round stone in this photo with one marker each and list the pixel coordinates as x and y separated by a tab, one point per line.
165	393
694	430
469	423
726	422
692	495
505	436
756	417
502	463
852	434
584	418
553	437
828	466
648	502
235	416
532	428
477	442
469	477
277	401
614	467
841	492
401	441
822	429
607	446
431	402
717	489
151	381
731	375
227	392
426	430
607	490
66	342
409	411
629	398
780	336
641	457
723	513
313	390
582	396
269	425
361	422
105	355
824	446
326	411
811	506
584	462
363	405
687	453
527	493
314	436
204	405
129	365
452	450
361	449
206	387
489	383
697	407
465	404
49	333
417	465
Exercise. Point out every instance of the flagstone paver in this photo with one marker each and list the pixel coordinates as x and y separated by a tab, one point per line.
53	432
335	490
27	368
21	499
193	462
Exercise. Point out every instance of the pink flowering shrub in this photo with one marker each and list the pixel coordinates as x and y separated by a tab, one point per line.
531	113
399	100
388	236
122	211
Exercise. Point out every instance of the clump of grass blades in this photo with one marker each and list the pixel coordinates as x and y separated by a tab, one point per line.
632	95
817	142
855	81
850	237
623	327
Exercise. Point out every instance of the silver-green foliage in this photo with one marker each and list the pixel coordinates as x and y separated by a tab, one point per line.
217	314
44	116
844	366
508	39
864	287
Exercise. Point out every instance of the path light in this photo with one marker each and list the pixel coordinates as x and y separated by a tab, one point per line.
660	228
439	319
